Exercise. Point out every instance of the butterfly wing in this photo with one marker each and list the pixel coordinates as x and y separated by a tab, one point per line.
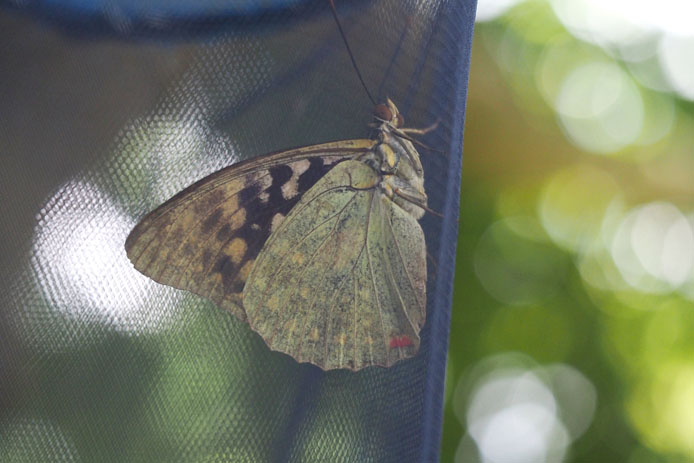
206	238
342	283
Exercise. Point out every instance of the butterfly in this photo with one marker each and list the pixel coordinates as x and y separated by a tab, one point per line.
317	248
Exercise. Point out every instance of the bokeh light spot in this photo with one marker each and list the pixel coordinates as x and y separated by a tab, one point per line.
595	263
621	22
577	396
654	248
511	416
677	59
82	267
605	22
598	270
600	108
488	10
558	59
514	407
660	118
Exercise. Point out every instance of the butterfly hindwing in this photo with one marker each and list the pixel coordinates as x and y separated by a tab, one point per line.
342	282
206	238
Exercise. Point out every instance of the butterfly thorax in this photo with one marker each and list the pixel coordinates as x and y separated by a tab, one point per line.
397	161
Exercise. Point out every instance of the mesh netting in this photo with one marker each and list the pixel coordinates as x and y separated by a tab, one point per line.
105	116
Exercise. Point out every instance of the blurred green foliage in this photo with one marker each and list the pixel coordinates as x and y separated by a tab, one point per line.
575	265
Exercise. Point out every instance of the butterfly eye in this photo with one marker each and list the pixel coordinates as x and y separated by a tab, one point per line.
399	120
383	112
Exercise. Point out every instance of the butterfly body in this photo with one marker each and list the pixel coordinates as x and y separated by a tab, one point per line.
317	248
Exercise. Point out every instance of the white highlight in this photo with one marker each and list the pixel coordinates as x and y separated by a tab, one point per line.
600	108
81	263
676	54
653	248
516	415
621	22
512	419
488	10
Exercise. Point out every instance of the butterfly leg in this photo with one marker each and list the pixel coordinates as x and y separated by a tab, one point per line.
404	195
422	131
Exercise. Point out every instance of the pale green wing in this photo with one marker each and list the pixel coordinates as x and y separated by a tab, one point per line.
341	282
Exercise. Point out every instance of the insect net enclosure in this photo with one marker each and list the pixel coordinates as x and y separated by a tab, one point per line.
109	109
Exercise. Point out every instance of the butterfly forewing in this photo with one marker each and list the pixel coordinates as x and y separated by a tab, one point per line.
341	284
206	238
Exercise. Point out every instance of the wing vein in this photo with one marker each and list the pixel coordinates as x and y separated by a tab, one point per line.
282	257
342	281
218	282
310	260
394	282
404	266
373	281
354	289
273	236
328	319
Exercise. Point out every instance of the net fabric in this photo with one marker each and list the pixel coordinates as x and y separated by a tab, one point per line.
99	126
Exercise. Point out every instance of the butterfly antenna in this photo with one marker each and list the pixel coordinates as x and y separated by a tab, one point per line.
349	51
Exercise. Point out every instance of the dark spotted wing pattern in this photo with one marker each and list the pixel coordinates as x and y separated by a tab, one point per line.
206	238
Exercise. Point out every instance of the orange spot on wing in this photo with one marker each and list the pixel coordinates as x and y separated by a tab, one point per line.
246	270
401	341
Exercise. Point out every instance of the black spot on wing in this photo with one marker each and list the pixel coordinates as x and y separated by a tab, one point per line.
259	214
208	201
206	257
229	272
280	175
227	269
209	223
224	233
236	286
256	230
249	193
317	169
224	265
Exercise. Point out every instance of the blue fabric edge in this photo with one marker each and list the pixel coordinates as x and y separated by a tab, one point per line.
457	15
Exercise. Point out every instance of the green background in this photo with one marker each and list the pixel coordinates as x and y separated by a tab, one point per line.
572	337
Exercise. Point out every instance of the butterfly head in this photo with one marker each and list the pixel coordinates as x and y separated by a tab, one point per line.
388	113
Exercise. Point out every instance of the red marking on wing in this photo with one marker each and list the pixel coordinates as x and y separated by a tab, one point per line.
402	341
